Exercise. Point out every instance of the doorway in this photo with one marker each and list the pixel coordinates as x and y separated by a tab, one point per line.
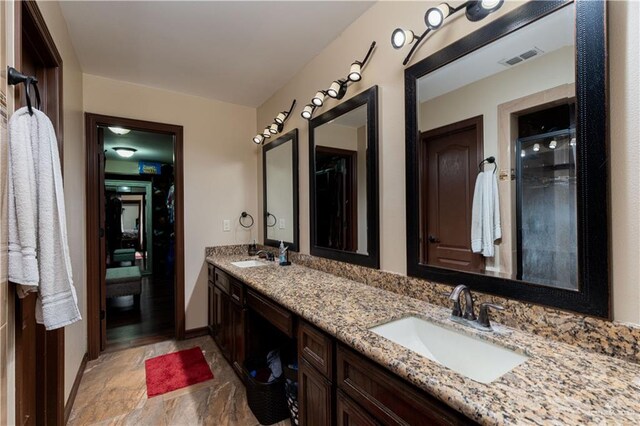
135	232
336	198
448	170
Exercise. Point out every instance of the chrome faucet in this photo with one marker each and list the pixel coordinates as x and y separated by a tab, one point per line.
468	303
469	317
265	254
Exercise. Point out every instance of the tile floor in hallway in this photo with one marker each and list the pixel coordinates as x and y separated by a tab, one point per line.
113	391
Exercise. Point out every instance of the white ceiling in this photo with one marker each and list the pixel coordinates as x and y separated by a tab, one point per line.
234	51
149	146
548	34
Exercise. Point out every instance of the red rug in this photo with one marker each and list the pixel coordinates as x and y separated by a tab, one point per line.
176	370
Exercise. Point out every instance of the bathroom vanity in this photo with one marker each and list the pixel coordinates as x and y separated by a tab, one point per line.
350	375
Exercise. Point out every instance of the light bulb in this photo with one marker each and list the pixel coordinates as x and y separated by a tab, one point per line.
258	139
536	147
434	18
281	117
553	144
307	112
400	37
490	4
273	128
266	133
572	142
355	73
124	152
318	99
523	153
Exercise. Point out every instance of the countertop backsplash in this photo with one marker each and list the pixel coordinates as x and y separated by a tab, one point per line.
593	334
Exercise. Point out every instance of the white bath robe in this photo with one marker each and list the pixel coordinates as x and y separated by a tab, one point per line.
38	248
485	215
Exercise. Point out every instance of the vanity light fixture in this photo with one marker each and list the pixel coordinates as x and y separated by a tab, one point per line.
523	153
124	151
475	10
119	130
553	144
338	88
536	147
572	142
274	128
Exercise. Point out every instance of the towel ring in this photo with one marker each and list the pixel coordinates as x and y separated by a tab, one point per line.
488	160
275	220
244	215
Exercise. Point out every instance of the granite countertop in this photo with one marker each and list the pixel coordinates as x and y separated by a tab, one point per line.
559	384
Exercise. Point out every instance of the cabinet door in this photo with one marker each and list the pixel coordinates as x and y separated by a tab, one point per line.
349	413
222	322
238	336
315	396
211	310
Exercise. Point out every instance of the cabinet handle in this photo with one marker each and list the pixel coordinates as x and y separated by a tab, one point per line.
236	297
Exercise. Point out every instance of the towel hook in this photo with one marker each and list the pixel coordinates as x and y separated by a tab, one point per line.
14	77
488	160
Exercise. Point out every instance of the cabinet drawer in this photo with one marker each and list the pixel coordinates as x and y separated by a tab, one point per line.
222	280
349	413
236	292
386	397
317	348
275	314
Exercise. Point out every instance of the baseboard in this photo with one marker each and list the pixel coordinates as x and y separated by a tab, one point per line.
196	332
74	390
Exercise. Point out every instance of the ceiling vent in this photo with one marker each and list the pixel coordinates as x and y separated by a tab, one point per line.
531	53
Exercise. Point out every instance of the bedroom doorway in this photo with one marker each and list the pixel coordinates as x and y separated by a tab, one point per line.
135	233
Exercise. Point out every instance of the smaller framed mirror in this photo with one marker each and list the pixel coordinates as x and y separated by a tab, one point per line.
280	186
343	180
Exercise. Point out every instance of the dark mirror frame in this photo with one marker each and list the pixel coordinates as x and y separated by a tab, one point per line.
292	137
372	259
593	296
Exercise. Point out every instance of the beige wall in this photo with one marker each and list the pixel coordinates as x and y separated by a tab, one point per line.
219	168
385	70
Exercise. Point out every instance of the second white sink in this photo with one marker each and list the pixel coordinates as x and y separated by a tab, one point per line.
249	263
476	359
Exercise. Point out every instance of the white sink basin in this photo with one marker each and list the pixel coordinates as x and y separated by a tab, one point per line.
476	359
249	263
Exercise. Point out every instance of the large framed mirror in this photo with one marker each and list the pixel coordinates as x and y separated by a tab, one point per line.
280	191
506	156
343	180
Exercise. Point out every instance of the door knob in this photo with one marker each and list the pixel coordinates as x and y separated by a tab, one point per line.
433	239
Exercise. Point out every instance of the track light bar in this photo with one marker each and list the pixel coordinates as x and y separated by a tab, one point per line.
276	127
338	88
435	17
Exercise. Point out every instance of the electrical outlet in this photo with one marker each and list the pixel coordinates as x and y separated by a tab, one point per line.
281	224
226	225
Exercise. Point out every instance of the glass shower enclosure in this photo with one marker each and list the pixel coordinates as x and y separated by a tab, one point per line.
546	209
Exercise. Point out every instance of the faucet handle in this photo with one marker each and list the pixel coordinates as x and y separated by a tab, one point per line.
483	315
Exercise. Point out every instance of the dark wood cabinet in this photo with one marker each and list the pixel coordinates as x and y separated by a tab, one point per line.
336	385
227	317
222	321
315	394
348	413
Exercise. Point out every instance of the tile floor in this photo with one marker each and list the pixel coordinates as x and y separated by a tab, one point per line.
113	392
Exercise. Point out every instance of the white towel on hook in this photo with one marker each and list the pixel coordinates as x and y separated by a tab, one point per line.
38	247
485	215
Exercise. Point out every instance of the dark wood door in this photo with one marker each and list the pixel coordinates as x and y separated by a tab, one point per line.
237	336
315	396
222	322
336	198
349	413
39	353
449	167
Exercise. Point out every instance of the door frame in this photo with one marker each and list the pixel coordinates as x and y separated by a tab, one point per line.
30	30
94	279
